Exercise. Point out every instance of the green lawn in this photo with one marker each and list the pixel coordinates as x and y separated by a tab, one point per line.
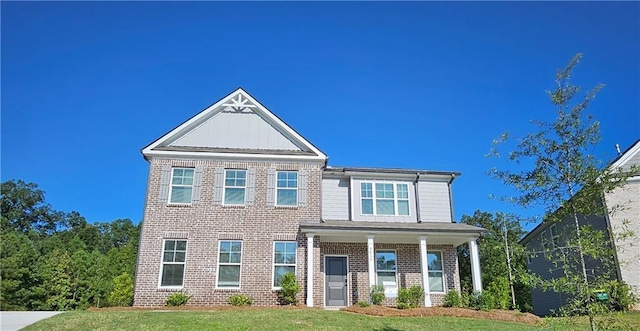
282	319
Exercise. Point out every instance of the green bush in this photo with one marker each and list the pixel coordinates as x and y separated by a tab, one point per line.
410	297
481	301
177	299
363	304
290	288
239	300
621	295
402	305
452	299
122	294
377	294
500	293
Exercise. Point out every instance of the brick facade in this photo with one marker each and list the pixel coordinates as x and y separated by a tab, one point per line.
202	224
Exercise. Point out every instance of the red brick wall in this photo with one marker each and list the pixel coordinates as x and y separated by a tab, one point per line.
203	224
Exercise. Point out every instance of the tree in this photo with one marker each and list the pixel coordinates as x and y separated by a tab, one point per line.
562	175
501	257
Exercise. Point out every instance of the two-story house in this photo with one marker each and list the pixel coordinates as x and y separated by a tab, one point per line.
236	198
623	205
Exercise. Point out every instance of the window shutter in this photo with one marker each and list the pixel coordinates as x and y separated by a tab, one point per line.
197	184
302	187
165	181
217	186
271	187
251	186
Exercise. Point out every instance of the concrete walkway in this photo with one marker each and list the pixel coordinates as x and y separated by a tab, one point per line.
16	320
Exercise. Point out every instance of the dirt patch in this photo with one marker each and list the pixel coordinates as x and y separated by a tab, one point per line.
496	315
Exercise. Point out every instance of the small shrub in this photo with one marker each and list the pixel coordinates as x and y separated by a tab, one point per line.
481	301
122	294
363	304
452	299
240	300
290	288
621	295
402	305
377	294
177	299
410	297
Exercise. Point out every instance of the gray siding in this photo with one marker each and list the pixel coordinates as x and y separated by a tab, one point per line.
434	202
335	199
236	130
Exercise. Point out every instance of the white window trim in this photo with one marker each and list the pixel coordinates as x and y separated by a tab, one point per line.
287	188
162	263
544	241
444	284
395	197
171	185
273	262
395	252
224	188
238	264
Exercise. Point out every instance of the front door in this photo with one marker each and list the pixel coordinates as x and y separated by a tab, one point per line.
336	281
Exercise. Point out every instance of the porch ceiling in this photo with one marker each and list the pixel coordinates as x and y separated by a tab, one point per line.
400	233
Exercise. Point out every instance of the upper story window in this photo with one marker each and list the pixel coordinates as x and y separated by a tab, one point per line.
380	198
554	236
287	188
235	182
181	185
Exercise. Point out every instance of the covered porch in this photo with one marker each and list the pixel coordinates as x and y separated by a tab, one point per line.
348	258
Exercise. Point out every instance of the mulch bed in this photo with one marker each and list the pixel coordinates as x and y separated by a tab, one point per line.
496	315
189	308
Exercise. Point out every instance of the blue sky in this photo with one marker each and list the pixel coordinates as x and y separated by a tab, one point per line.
417	84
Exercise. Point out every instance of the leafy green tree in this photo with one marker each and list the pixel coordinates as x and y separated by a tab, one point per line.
558	171
500	256
122	294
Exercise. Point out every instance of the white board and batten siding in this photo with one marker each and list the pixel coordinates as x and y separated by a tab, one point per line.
434	201
335	199
245	130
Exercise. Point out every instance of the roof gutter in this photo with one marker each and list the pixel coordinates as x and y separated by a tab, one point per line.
417	194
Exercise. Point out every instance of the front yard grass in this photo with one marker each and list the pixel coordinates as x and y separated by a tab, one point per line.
261	319
290	319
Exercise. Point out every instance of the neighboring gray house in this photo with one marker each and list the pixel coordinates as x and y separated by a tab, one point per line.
548	236
236	198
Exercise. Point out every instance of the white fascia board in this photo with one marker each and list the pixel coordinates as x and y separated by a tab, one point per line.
148	151
403	176
233	156
626	157
280	124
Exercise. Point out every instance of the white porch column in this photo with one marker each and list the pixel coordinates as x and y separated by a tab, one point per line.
475	265
310	269
371	253
425	270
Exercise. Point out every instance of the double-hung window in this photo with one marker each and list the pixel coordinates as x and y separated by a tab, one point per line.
173	262
287	188
436	272
181	185
554	236
235	182
229	262
284	260
386	268
381	198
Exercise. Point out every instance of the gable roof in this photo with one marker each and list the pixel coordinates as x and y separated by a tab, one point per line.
624	161
235	127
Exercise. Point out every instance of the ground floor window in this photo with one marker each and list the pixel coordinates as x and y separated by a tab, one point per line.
229	262
436	272
173	263
386	268
284	259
